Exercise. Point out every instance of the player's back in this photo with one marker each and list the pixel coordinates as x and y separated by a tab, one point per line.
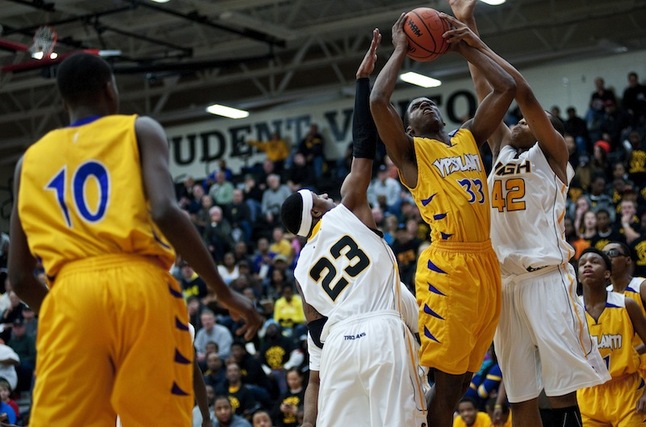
347	269
451	191
82	195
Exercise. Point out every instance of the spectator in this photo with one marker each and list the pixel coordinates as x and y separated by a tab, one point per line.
613	122
578	128
12	313
272	200
238	214
281	245
262	260
385	192
311	147
275	148
630	223
284	413
405	248
638	247
469	416
212	332
222	190
599	198
224	414
31	322
241	397
275	351
25	347
637	158
215	374
210	401
261	418
252	195
8	362
5	398
192	284
4	249
217	234
288	310
634	100
228	269
606	231
300	174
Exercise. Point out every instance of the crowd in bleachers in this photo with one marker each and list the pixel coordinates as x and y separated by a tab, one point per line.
238	216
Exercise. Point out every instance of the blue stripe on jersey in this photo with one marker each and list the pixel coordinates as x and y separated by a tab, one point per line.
610	305
427	201
428	335
434	267
428	310
433	289
178	391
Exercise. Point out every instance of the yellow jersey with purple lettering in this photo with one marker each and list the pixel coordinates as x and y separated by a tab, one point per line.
614	333
451	191
82	195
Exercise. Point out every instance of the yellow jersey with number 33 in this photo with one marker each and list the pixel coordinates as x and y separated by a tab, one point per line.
82	195
451	191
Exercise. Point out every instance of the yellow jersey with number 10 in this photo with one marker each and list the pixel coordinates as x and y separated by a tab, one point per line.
82	195
451	191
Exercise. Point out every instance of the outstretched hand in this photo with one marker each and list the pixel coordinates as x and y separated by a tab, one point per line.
241	307
367	66
460	32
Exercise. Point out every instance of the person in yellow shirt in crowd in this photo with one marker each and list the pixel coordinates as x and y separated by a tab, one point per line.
281	245
288	309
469	416
275	148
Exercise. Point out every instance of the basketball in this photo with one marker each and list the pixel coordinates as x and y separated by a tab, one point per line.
424	29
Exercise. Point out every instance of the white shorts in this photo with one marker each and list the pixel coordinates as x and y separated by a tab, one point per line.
369	374
542	340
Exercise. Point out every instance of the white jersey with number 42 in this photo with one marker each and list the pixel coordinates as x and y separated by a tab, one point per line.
527	211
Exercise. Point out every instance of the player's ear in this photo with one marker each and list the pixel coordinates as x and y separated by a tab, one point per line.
409	131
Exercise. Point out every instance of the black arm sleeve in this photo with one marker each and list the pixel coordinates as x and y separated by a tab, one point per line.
364	131
316	327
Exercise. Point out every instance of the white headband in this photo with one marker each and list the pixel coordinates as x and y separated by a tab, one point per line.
306	216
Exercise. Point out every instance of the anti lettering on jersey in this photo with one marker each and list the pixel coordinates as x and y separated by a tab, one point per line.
609	341
448	165
513	168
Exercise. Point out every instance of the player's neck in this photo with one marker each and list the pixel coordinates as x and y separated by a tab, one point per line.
82	113
619	284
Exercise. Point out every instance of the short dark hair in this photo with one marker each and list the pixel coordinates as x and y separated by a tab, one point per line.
469	400
605	257
290	212
82	76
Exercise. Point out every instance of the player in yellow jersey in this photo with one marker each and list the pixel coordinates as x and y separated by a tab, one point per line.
623	282
613	320
536	349
95	202
458	276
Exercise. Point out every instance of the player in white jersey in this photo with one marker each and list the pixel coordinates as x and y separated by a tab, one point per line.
348	274
542	340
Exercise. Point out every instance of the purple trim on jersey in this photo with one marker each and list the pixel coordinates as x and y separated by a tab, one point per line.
440	216
428	310
179	325
83	121
159	240
445	236
641	383
628	288
179	358
178	391
433	289
173	292
434	267
428	335
610	305
427	201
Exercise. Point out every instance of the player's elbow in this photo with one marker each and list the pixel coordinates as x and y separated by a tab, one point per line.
378	99
164	213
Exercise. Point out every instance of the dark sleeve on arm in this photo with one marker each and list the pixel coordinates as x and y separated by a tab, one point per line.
364	131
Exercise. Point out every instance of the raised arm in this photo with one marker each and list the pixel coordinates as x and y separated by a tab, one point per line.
177	227
549	139
464	11
389	124
364	141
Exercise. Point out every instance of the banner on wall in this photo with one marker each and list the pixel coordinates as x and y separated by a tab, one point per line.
196	149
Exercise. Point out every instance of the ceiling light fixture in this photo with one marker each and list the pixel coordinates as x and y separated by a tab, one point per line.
160	1
230	112
493	2
420	80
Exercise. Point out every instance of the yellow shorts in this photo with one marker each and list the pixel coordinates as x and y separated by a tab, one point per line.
613	403
113	339
459	295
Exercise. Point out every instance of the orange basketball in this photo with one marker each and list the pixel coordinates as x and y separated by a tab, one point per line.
424	29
